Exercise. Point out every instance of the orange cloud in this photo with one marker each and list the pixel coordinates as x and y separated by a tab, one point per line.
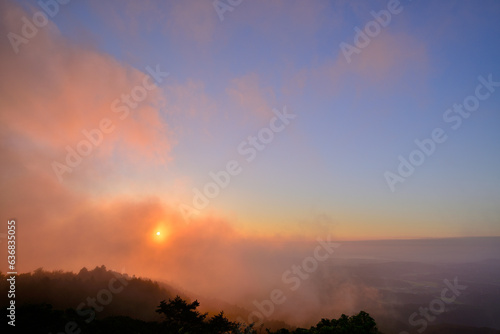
53	90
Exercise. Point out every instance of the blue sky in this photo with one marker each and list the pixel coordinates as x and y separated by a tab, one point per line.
353	119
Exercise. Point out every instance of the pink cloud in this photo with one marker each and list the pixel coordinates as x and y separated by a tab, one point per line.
192	20
251	97
381	65
189	99
53	90
389	56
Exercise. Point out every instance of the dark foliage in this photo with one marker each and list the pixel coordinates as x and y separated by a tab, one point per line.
46	304
361	323
180	317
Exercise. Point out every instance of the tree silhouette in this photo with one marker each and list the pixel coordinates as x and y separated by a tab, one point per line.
219	324
181	316
362	323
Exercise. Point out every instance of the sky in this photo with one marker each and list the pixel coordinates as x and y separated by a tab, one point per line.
220	123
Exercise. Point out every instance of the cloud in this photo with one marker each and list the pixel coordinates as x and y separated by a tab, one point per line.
389	57
207	257
193	20
381	65
189	103
285	22
53	90
128	18
251	98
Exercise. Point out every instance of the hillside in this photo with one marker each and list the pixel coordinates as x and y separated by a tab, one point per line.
104	300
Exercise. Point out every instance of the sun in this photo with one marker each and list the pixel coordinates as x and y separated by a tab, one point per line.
160	234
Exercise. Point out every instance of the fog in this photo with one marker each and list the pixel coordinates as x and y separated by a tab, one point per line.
294	280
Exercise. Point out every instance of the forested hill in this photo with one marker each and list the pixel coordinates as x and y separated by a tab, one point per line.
102	300
111	292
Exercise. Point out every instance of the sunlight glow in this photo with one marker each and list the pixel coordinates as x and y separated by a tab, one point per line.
159	233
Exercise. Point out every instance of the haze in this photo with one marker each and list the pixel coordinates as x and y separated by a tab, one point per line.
211	148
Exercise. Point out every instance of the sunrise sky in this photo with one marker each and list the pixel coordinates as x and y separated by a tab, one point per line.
231	71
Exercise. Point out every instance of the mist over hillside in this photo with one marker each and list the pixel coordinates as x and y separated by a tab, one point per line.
430	250
250	166
398	279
